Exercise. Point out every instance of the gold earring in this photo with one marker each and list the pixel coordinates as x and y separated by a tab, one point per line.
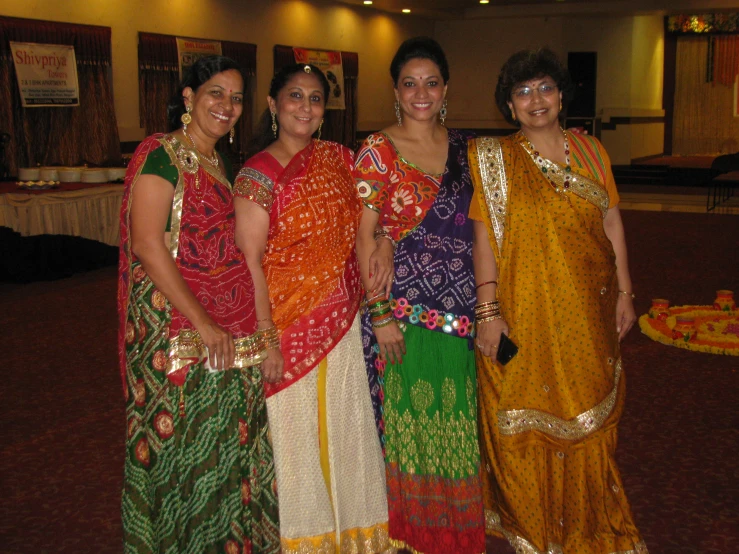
560	105
320	126
186	118
513	115
231	135
442	112
397	114
274	124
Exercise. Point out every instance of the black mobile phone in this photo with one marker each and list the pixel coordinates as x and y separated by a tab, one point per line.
506	349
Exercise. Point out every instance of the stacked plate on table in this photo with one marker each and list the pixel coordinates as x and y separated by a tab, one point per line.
97	175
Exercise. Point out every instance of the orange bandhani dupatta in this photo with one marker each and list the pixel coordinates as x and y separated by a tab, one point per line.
310	263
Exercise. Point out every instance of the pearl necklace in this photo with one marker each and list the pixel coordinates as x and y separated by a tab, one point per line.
542	164
212	161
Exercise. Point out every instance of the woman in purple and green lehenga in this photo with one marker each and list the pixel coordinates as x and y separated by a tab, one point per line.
419	347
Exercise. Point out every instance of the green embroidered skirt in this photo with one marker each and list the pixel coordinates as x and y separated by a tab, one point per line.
432	453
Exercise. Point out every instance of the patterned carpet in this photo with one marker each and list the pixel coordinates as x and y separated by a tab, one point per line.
61	406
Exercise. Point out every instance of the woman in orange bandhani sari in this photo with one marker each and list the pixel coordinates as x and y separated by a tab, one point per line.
297	214
552	272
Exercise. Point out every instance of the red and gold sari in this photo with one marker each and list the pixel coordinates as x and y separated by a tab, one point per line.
330	473
199	473
548	418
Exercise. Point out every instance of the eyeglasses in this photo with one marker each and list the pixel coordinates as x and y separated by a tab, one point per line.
544	89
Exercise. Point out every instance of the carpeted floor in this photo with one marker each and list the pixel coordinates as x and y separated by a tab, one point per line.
61	407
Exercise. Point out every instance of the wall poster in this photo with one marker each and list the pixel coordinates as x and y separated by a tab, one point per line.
47	74
190	50
330	64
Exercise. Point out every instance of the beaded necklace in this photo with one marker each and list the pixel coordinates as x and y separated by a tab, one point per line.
212	161
553	168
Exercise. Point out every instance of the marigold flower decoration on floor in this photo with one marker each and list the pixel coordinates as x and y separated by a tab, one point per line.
711	329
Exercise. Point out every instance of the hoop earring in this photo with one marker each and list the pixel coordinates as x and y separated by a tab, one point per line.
442	112
397	114
320	126
231	134
186	118
274	124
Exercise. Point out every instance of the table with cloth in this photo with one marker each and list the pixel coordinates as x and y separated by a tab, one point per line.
52	233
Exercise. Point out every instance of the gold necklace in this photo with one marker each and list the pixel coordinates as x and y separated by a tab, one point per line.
212	161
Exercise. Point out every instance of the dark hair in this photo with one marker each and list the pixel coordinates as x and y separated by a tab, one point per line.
264	135
198	73
424	48
531	64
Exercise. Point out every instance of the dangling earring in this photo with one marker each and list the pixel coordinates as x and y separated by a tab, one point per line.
513	115
274	124
231	134
560	105
320	126
397	114
442	112
186	118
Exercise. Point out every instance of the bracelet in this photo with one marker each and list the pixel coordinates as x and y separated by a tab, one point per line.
383	322
377	297
382	233
270	337
631	294
265	319
488	318
486	283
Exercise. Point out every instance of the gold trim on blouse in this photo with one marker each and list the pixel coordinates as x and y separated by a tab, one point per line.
254	185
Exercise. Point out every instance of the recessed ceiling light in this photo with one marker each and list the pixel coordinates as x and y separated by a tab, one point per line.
367	2
406	10
484	1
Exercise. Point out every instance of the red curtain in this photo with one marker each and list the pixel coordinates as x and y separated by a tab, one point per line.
159	78
725	52
338	125
60	136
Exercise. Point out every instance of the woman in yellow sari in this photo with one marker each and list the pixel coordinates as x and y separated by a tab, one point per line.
552	273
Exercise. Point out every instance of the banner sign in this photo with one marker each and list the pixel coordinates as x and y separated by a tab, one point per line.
330	64
47	74
191	50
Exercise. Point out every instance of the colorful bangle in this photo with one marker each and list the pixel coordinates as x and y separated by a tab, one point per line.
383	322
486	283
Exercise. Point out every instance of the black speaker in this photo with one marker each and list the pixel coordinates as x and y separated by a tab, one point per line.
583	68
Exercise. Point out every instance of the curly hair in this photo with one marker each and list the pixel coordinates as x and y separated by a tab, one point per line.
264	135
198	73
526	65
424	48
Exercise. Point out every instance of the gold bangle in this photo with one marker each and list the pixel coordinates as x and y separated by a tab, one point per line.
488	318
631	294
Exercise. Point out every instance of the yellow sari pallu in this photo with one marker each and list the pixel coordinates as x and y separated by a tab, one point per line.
548	418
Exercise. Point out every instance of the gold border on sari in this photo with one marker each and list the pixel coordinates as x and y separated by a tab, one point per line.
494	523
586	188
513	422
494	183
